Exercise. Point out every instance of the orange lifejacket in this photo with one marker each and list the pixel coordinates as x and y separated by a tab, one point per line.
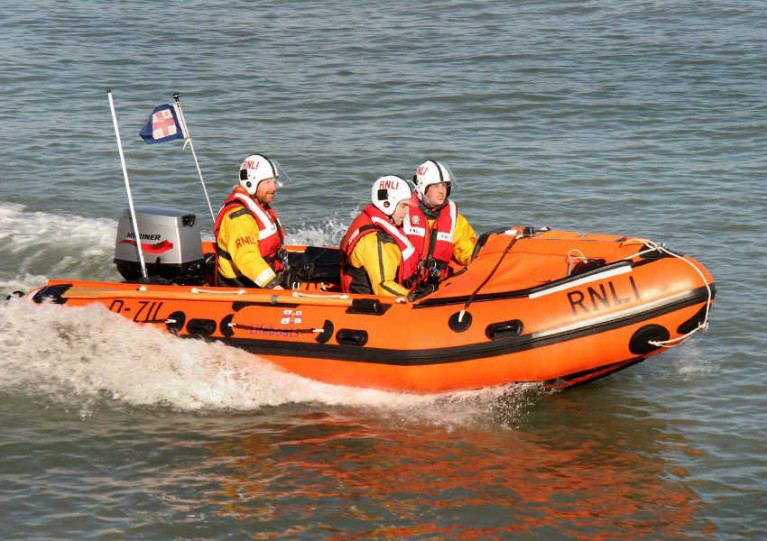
439	246
270	232
369	221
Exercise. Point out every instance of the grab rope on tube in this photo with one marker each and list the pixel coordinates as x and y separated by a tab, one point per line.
703	325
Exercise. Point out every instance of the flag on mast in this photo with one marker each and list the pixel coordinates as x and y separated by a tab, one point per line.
163	125
166	123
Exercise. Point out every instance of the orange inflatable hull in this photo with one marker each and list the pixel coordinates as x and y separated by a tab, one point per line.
560	308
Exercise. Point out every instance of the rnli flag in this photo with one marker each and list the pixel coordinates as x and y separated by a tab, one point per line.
163	125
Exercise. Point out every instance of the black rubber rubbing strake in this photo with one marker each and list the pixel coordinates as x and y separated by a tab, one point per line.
694	322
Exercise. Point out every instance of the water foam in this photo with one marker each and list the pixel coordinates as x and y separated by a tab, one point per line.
88	357
329	234
38	244
692	362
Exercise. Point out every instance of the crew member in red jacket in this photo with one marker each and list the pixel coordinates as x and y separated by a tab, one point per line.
441	236
376	255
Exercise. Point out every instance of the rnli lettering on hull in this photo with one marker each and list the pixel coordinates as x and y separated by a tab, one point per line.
604	295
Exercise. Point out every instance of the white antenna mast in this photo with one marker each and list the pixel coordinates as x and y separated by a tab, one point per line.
127	185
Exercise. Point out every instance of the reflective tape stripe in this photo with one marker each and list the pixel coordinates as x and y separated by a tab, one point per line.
263	232
265	277
623	269
394	232
268	231
453	218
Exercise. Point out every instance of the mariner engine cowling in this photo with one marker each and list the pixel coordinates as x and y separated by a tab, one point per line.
170	240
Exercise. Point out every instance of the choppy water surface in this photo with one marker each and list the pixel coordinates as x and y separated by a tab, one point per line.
642	118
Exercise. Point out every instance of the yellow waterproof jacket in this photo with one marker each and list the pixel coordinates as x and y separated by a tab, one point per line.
464	239
239	237
379	255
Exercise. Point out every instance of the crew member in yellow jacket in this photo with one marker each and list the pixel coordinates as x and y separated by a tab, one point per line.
249	236
376	255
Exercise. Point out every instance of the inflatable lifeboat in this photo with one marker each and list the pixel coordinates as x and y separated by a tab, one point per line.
556	307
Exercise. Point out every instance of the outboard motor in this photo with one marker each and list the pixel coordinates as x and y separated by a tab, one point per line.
171	243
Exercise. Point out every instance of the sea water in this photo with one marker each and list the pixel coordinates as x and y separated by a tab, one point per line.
641	118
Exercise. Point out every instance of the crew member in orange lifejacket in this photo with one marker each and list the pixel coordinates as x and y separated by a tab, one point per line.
376	256
249	236
442	238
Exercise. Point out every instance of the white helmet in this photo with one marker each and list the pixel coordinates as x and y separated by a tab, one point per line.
388	191
258	167
432	172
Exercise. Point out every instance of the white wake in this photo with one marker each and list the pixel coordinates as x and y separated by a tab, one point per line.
88	357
